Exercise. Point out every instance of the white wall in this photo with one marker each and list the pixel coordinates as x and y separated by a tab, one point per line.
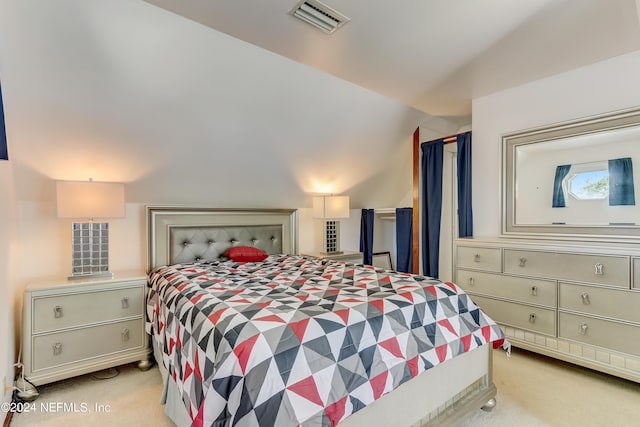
599	88
9	302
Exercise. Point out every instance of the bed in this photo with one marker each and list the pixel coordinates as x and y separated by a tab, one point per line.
295	340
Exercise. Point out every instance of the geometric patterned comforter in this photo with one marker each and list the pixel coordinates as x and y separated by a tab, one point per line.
296	340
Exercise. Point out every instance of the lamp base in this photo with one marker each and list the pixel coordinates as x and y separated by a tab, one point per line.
90	250
331	237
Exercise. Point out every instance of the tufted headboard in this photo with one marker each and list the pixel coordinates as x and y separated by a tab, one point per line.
181	234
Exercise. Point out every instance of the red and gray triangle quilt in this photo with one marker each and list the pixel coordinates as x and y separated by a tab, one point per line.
301	341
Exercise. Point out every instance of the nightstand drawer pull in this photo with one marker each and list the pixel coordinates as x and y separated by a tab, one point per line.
532	318
471	281
125	335
57	348
476	257
523	261
583	328
534	291
598	267
125	302
57	311
585	298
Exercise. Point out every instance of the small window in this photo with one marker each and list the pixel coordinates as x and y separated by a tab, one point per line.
592	183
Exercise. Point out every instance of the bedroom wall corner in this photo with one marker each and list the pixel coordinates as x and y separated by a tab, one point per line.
47	238
9	306
310	231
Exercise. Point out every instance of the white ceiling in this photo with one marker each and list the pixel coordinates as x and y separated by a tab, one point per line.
433	55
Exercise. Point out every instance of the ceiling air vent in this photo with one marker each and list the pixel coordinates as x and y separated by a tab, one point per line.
319	15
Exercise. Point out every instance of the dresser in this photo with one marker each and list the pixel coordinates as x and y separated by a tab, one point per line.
75	327
576	301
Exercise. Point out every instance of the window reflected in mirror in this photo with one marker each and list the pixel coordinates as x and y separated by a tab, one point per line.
590	181
589	185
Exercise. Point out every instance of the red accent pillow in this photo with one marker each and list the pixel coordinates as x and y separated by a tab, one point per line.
246	254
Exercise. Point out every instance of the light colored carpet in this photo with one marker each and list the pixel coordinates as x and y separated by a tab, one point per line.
132	399
535	390
532	391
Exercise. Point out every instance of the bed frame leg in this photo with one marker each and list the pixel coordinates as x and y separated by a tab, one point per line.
488	407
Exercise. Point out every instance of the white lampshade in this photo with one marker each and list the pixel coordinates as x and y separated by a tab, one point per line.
331	207
90	199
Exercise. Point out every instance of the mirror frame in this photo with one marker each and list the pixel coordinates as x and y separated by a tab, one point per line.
585	126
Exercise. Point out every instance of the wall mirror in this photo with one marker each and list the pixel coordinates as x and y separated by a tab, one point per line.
574	179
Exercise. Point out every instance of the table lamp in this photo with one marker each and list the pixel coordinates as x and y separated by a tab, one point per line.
88	200
329	208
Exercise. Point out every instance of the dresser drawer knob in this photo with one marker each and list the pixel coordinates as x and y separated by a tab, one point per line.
125	302
598	269
523	261
57	348
471	281
583	328
57	311
532	318
125	335
534	291
585	298
476	257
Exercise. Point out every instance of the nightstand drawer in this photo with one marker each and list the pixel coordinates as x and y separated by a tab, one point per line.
488	259
346	256
534	291
69	310
521	316
636	273
56	349
602	333
354	259
599	269
613	303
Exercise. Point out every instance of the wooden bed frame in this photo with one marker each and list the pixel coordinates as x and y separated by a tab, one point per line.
443	395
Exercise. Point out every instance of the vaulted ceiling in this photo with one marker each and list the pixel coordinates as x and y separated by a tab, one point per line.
433	55
236	103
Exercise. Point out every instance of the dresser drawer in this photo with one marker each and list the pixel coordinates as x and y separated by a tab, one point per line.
69	310
617	304
540	320
80	344
488	259
599	269
636	273
533	291
602	333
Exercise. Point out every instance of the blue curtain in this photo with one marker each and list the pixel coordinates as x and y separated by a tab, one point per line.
4	154
558	192
465	213
366	235
432	153
404	239
621	191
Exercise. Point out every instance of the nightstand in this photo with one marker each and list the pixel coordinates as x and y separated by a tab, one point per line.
346	256
75	327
